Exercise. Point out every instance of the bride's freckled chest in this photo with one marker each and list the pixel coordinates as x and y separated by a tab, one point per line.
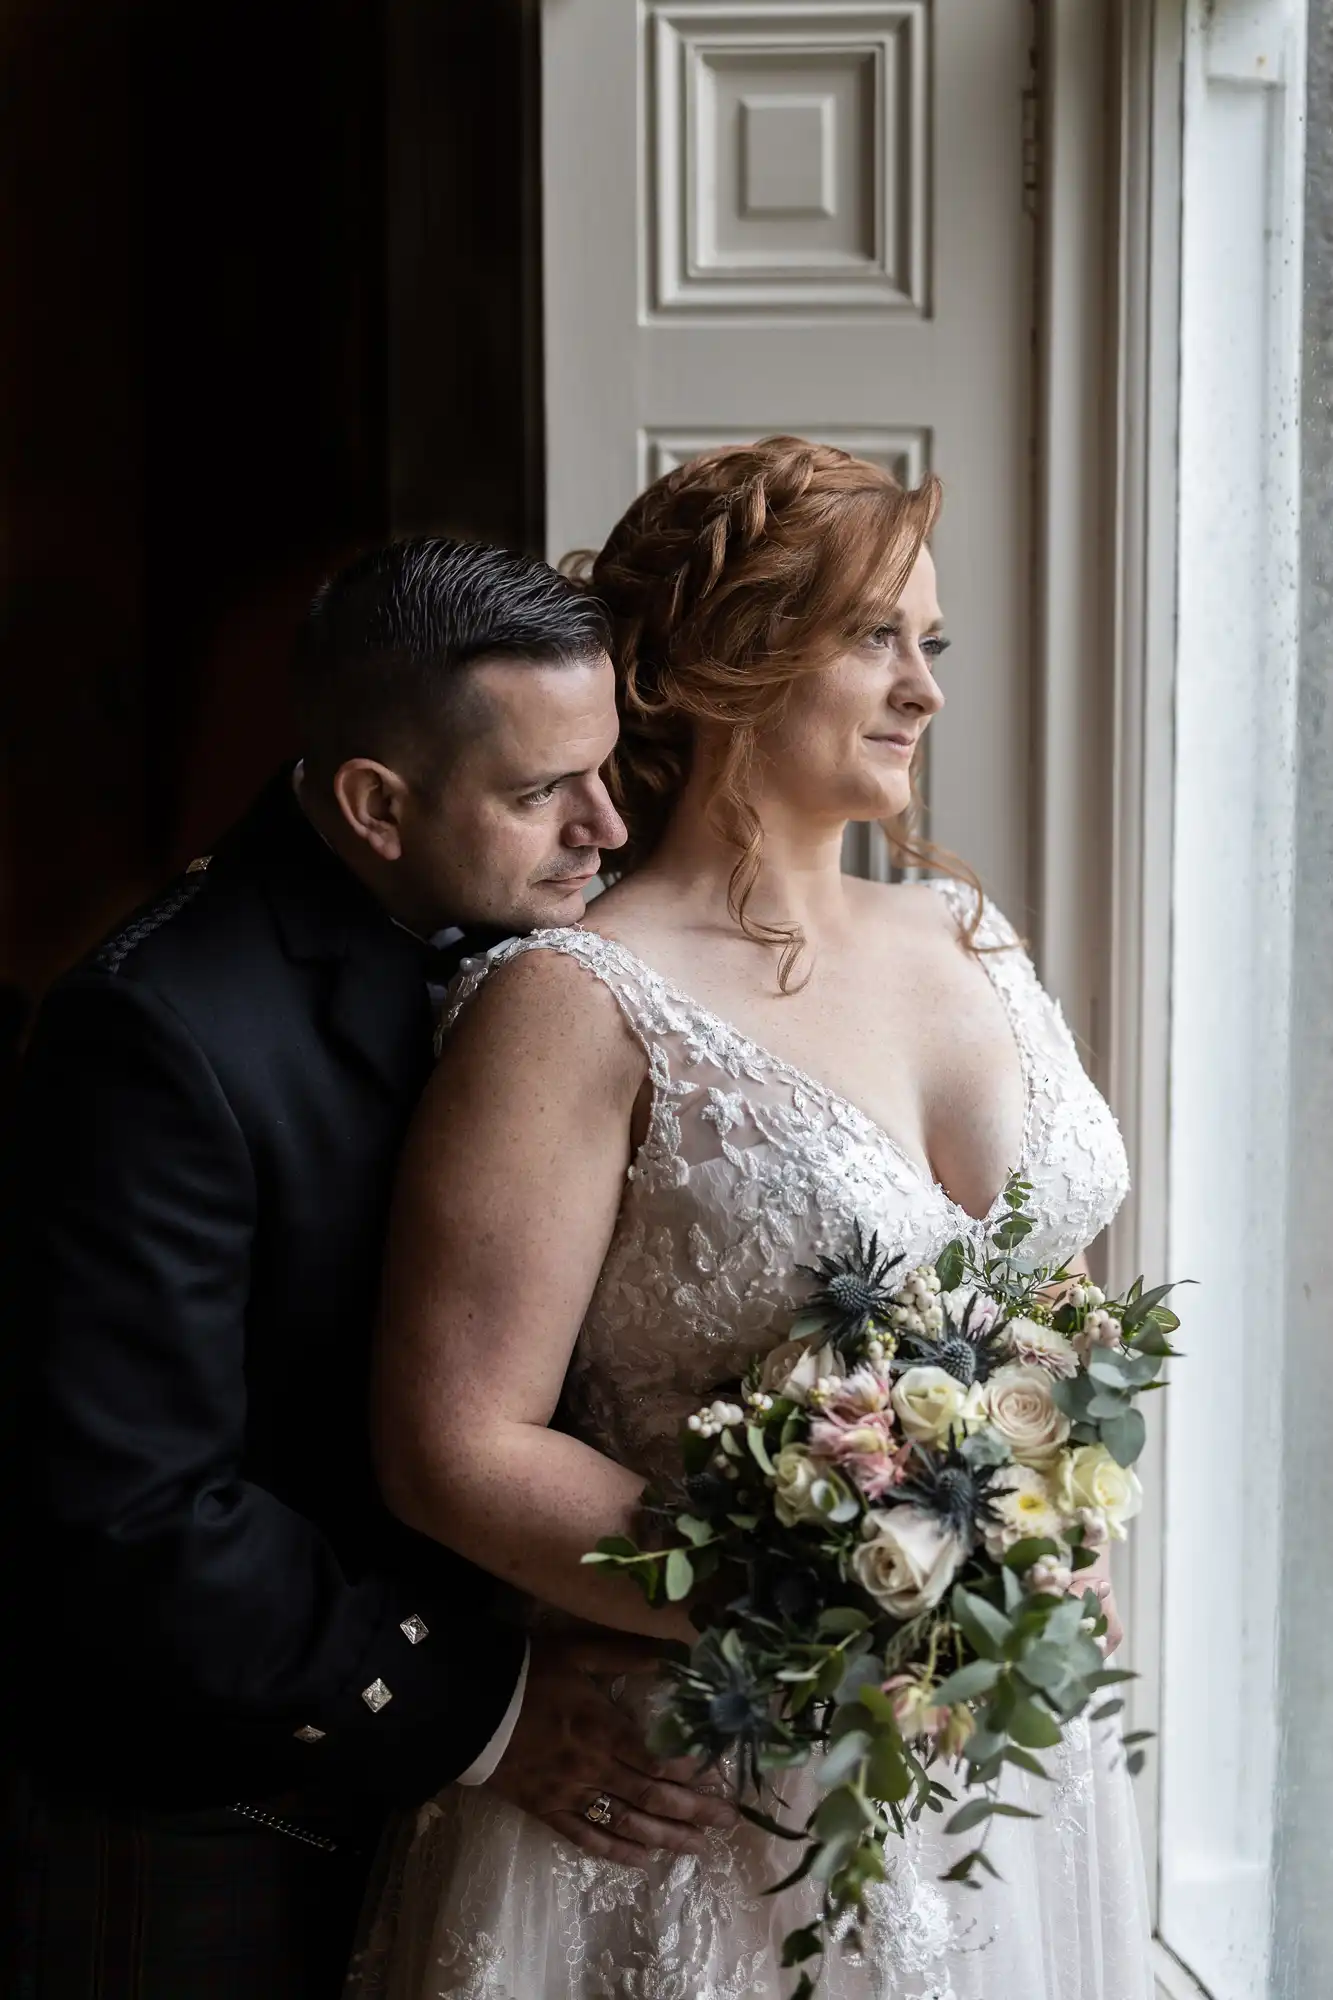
897	1096
909	1030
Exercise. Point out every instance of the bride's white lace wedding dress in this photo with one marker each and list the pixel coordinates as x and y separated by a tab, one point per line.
750	1169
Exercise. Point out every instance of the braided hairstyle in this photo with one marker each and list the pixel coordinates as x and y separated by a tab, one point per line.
727	580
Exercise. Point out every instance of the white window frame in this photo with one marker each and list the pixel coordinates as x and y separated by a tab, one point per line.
1170	53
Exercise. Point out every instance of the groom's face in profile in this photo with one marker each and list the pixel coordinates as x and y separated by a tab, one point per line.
509	824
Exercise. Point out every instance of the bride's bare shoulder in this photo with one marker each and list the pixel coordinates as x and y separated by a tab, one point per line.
544	998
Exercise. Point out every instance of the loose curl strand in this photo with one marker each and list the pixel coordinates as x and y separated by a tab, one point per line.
727	580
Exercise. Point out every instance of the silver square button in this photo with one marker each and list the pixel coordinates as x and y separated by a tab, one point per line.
309	1734
376	1696
415	1629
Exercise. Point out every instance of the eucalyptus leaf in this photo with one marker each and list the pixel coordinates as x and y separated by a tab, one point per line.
888	1775
679	1575
1045	1666
841	1619
800	1945
1063	1622
984	1809
871	1696
1023	1554
1035	1728
843	1812
1141	1305
612	1546
971	1815
977	1678
1124	1436
984	1448
987	1628
767	1824
949	1266
754	1437
798	1873
1071	1396
1107	1367
1108	1676
1025	1761
981	1746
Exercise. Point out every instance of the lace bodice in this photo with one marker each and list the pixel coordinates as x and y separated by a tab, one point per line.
750	1169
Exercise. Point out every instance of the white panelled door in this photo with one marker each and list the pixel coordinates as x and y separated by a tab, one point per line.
808	216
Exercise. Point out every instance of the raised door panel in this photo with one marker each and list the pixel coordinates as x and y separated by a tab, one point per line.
769	216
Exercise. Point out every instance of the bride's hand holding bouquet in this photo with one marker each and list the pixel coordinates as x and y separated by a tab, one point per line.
885	1524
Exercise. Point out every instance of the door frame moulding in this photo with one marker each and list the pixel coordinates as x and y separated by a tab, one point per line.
1107	185
1108	206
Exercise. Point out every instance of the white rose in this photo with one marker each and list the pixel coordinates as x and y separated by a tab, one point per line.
907	1561
792	1369
1026	1507
794	1485
929	1403
1020	1405
1091	1482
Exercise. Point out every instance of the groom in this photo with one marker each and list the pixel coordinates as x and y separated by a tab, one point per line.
231	1664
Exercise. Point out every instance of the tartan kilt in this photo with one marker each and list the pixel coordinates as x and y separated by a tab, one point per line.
105	1902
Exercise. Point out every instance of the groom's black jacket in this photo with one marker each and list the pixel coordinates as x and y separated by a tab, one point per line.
202	1154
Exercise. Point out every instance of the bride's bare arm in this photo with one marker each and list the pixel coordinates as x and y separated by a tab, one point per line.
505	1205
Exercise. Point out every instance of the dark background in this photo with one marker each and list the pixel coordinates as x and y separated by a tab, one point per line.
270	292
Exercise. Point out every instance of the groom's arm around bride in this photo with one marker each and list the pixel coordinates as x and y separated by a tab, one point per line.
228	1661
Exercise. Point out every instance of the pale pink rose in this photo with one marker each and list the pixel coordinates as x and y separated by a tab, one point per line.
793	1368
907	1559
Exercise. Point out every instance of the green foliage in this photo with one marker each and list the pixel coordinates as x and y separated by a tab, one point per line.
796	1662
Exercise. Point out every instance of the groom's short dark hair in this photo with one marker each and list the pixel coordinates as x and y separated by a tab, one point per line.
380	656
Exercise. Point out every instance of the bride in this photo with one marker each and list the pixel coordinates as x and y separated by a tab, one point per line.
640	1130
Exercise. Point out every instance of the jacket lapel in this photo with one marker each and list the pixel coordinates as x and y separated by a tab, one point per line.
380	1010
374	997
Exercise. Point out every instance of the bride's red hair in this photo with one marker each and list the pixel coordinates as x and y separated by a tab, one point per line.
729	578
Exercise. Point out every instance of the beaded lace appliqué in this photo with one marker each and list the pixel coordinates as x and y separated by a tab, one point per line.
749	1170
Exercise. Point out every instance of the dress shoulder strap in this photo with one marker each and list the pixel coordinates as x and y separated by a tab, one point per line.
638	990
995	932
659	1020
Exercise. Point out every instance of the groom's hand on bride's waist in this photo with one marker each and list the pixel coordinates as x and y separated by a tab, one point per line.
574	1748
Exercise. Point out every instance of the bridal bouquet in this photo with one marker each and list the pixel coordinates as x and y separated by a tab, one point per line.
884	1521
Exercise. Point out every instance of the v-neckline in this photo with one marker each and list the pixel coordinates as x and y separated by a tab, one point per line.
922	1174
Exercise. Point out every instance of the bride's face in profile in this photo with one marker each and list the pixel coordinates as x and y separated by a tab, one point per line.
844	747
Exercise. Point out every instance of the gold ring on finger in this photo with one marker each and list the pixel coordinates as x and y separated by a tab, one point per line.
598	1811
